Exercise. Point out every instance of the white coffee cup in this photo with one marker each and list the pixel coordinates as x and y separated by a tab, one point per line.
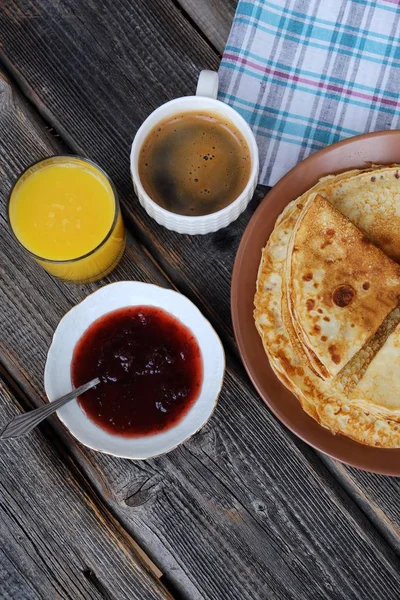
205	99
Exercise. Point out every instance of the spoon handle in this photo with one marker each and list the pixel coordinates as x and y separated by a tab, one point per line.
23	424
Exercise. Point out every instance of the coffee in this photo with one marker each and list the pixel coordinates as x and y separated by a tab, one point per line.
194	163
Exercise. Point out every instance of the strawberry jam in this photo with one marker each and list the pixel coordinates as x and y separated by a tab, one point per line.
150	367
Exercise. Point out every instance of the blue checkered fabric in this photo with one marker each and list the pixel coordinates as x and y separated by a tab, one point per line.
308	73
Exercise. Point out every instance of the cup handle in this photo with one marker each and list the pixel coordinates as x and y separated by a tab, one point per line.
207	84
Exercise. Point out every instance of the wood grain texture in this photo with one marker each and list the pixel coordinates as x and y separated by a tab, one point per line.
96	70
55	542
377	497
243	510
213	17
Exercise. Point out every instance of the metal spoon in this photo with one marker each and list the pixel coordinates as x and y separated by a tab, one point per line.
23	424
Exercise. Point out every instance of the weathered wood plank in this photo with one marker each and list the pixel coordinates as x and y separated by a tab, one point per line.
213	17
55	541
242	510
377	496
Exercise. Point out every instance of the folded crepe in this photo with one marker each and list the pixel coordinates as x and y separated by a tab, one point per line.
339	286
363	400
330	402
378	390
371	200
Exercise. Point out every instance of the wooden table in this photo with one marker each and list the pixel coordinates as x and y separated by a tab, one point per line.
244	509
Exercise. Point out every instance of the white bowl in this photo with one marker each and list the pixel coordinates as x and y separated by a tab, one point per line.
57	376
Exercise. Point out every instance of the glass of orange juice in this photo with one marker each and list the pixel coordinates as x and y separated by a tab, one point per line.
64	211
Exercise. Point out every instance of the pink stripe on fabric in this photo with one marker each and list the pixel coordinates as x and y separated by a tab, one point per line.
319	84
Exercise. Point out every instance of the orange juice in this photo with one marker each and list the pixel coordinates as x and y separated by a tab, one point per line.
65	212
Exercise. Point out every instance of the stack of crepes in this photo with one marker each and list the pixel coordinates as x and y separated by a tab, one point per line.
327	303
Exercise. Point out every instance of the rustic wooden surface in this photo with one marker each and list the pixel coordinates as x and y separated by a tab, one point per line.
56	541
212	18
243	510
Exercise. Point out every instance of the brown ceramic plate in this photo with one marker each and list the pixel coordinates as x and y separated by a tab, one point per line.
357	152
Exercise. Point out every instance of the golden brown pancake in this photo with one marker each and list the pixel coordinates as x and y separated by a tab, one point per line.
379	386
371	200
337	403
340	286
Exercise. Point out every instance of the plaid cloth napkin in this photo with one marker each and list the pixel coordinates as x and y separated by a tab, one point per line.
307	73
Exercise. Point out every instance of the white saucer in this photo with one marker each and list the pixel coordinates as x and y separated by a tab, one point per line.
57	377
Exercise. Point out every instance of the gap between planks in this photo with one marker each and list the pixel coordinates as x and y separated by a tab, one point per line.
211	18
